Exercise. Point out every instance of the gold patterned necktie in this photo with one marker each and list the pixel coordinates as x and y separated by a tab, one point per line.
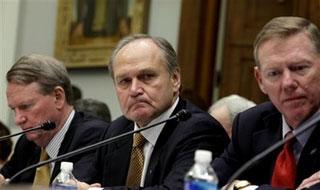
136	161
42	177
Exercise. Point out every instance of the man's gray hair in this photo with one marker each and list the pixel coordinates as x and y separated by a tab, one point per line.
234	104
169	54
44	70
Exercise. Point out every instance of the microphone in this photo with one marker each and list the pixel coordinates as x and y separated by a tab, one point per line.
47	126
305	126
182	115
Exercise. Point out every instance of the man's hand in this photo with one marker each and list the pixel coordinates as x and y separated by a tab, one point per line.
2	180
310	181
240	185
85	186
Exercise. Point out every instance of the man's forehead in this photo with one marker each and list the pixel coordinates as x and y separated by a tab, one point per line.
139	43
143	70
17	88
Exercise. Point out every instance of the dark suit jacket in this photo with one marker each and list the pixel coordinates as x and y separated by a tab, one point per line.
173	153
255	130
84	130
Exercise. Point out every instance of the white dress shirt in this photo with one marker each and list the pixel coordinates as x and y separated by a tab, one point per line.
54	145
152	135
302	138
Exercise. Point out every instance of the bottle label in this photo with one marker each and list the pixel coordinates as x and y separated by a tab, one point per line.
200	185
63	187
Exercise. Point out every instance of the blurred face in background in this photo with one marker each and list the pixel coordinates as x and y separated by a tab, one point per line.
289	73
143	84
32	108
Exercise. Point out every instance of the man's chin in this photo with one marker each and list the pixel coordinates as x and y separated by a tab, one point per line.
141	119
39	142
32	137
297	115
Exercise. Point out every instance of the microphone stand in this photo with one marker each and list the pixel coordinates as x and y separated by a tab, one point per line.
306	125
181	115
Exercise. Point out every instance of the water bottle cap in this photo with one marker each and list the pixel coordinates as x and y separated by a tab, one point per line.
68	166
203	156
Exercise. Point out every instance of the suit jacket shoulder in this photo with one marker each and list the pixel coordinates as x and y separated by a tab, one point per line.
253	131
173	152
83	130
25	154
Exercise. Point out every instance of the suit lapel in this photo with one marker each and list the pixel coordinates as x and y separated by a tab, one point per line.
34	160
159	147
309	161
127	141
66	144
119	152
157	151
267	135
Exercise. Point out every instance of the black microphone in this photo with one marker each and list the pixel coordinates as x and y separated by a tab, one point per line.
305	126
48	125
182	115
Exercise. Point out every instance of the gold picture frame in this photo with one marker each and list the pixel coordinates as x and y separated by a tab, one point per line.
88	30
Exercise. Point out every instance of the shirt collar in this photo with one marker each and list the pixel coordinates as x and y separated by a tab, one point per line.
54	145
153	133
285	127
303	137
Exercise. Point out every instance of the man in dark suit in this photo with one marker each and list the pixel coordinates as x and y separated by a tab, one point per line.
39	90
287	56
147	81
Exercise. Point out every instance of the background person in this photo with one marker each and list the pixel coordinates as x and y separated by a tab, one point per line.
226	109
5	146
77	92
39	90
147	82
287	56
94	107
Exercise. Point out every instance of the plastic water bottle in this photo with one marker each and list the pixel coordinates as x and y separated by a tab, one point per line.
65	180
201	176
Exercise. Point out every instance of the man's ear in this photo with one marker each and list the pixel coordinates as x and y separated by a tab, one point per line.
257	75
59	96
176	80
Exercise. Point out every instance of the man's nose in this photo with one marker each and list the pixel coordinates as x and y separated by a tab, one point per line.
136	87
19	118
289	81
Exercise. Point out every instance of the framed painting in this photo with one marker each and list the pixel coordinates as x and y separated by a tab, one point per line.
88	30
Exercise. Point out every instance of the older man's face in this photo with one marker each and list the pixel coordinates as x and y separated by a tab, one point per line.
289	74
32	108
143	84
